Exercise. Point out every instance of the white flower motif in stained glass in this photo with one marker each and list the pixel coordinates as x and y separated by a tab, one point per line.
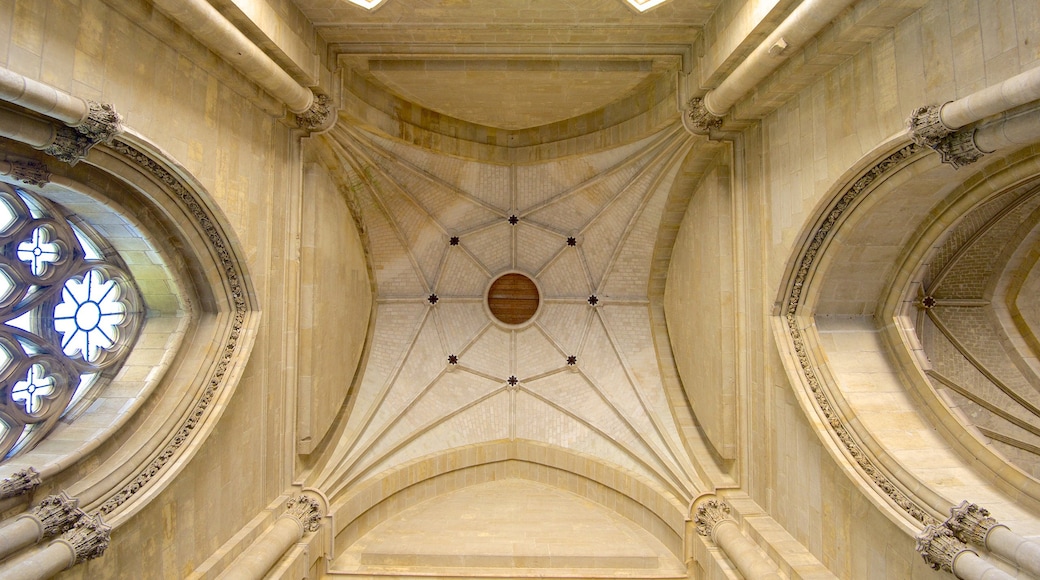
39	252
31	391
88	315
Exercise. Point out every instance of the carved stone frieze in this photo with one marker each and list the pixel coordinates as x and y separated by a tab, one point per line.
305	510
959	149
926	127
698	119
709	515
30	172
88	538
57	513
939	547
320	116
971	523
19	483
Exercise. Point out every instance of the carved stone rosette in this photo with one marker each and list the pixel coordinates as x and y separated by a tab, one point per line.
926	127
939	547
710	514
971	523
305	510
89	538
698	119
71	144
320	116
19	483
57	513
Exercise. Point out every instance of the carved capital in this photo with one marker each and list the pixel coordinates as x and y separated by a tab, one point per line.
305	510
959	149
102	123
19	483
971	523
88	538
710	514
320	116
926	127
29	171
57	513
698	119
939	547
69	145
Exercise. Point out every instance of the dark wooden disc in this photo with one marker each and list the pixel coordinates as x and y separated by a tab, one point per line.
513	299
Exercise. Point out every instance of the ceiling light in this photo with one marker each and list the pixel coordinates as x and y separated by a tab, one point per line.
644	5
367	4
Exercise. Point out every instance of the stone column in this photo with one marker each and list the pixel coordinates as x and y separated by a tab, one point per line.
302	514
56	514
714	521
20	482
87	540
943	551
973	524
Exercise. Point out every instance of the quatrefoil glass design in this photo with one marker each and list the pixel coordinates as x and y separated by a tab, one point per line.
69	313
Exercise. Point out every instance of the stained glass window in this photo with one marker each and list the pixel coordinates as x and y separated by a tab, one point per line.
70	314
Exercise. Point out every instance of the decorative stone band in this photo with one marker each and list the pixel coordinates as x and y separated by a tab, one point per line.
28	171
57	514
939	547
320	116
697	119
710	514
19	483
971	523
71	144
88	539
306	511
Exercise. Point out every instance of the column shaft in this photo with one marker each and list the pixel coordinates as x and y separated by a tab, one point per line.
1018	90
41	98
20	128
263	553
40	564
969	566
743	553
24	531
1024	553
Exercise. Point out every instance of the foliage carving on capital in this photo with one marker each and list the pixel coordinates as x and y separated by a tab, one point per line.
71	144
88	538
959	149
926	126
698	119
19	483
710	514
971	523
320	116
30	172
305	510
939	547
57	513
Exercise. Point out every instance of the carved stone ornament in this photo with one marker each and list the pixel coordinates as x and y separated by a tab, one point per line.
959	149
305	510
71	144
320	116
971	523
710	514
89	538
19	483
926	127
30	172
698	119
57	513
939	547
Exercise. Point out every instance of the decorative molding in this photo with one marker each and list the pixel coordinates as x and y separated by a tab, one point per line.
71	144
320	116
30	172
306	511
959	149
89	538
57	513
926	126
831	416
971	523
710	514
232	277
19	483
701	119
939	547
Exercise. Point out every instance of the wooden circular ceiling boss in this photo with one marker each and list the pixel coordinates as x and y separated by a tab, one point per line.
513	298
